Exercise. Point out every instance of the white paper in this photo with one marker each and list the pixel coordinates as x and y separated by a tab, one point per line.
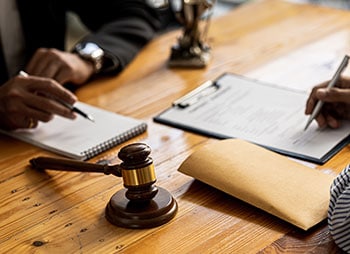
264	114
81	138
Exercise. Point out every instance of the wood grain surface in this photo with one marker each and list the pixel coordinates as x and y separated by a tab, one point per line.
63	212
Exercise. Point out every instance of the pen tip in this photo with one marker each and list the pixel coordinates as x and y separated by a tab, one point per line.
91	119
307	125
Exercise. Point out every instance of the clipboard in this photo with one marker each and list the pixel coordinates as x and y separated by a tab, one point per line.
234	106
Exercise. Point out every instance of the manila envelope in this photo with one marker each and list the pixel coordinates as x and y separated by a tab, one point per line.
272	182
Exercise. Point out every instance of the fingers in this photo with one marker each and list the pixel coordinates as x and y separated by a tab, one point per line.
312	100
43	108
26	100
20	122
43	63
50	89
14	114
46	62
327	120
336	103
61	66
332	122
334	95
24	108
338	94
17	122
44	95
46	86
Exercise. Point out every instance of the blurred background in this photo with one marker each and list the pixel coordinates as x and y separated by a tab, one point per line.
222	6
76	30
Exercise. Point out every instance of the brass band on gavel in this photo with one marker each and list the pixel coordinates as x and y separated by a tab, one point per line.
139	176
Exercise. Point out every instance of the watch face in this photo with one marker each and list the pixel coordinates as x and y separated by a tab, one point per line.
91	52
90	48
157	3
176	5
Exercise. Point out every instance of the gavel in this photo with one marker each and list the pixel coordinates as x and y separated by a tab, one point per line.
141	204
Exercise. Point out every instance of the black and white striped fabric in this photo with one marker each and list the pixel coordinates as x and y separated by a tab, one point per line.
339	210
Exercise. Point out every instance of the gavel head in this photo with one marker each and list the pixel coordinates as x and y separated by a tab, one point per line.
138	173
141	204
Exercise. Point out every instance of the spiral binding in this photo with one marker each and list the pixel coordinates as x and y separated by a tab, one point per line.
91	152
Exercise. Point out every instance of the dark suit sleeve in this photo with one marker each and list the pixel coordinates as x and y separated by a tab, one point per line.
120	27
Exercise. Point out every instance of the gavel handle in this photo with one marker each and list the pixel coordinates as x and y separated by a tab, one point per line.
73	165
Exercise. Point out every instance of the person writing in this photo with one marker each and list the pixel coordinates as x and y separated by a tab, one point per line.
336	108
32	39
336	103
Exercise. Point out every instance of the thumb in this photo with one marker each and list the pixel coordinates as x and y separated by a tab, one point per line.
334	95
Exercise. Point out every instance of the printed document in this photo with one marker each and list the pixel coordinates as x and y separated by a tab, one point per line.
264	114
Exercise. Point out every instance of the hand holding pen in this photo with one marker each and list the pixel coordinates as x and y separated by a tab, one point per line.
65	103
330	101
24	101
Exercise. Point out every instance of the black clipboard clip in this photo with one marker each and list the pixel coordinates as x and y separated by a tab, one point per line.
195	95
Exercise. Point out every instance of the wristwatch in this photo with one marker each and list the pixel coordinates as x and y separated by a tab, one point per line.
91	52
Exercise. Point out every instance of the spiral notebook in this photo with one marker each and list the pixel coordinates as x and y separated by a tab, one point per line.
80	138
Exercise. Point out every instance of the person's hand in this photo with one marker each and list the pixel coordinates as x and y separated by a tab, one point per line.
61	66
336	103
26	100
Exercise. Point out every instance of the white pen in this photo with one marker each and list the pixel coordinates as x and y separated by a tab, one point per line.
331	84
71	107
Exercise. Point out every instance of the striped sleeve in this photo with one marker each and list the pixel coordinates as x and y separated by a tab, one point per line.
339	210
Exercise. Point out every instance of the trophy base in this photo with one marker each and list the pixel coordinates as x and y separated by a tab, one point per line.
122	212
185	58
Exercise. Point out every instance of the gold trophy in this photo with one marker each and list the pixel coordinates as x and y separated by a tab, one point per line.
192	49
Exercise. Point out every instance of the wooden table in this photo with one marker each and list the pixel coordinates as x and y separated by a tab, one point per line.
63	212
